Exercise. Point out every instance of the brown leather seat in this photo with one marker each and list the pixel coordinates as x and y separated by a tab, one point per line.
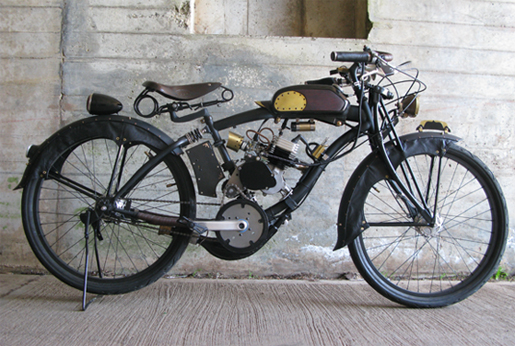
182	92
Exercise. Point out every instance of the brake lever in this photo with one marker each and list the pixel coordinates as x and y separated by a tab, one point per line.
340	70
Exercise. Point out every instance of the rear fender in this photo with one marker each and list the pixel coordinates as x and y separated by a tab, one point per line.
114	127
371	170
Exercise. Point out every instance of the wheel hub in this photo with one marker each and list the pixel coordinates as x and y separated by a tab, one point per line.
103	205
430	231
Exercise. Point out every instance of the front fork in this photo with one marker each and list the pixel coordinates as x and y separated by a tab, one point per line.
417	207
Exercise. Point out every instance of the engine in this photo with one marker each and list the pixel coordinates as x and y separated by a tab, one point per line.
264	162
266	157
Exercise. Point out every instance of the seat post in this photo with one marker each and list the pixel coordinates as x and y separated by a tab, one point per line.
228	164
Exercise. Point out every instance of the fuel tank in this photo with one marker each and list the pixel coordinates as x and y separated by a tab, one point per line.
314	99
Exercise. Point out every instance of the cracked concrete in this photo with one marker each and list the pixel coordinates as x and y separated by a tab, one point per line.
39	310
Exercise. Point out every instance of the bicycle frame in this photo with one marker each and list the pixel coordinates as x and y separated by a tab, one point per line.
366	114
434	214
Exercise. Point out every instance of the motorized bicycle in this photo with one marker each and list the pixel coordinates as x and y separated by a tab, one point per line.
425	220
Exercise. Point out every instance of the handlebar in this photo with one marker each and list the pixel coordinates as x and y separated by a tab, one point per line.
351	56
366	56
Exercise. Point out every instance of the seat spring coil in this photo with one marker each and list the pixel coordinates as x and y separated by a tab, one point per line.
194	136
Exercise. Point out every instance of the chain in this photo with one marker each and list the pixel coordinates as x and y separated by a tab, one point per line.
170	230
158	229
173	202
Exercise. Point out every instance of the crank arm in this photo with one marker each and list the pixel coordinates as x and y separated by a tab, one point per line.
199	226
203	226
222	225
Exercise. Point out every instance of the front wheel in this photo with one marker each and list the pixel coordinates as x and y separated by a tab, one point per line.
82	167
432	266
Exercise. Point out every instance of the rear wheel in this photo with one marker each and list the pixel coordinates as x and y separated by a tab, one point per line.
125	254
432	266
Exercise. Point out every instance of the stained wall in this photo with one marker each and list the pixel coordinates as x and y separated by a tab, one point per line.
54	53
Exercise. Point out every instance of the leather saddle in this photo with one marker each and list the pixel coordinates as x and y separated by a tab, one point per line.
182	92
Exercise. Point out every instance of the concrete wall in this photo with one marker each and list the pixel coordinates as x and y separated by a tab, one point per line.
30	85
310	18
54	53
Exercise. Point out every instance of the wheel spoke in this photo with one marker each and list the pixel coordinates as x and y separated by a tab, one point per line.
416	264
125	248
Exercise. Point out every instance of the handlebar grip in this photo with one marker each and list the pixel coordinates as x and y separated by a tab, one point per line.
351	56
360	56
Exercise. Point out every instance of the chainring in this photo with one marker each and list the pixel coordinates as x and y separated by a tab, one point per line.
254	236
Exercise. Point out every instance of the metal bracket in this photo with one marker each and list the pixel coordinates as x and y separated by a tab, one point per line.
206	167
433	125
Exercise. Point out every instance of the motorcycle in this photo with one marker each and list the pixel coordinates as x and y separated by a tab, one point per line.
424	220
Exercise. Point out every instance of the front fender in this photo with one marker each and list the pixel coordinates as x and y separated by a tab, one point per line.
113	126
371	170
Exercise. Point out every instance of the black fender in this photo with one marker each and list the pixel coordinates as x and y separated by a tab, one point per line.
113	126
372	169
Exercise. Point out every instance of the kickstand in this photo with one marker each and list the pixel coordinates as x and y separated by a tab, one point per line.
86	219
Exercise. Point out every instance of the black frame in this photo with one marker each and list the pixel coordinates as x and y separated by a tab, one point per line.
367	115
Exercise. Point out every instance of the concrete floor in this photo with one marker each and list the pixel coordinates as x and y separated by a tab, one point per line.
40	310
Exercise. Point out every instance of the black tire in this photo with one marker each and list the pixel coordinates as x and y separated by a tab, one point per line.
442	265
132	254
